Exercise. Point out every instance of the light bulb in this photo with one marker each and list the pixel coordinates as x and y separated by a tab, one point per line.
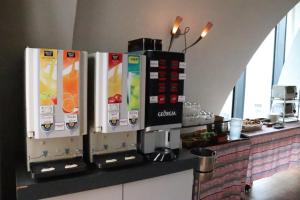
206	29
176	25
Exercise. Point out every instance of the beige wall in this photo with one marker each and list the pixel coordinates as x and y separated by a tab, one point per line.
34	23
214	64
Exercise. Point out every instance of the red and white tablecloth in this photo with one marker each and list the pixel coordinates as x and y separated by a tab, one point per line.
273	151
228	181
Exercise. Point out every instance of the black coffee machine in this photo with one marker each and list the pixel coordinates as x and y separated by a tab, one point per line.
164	88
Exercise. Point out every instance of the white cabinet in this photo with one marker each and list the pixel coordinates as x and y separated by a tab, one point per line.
106	193
177	186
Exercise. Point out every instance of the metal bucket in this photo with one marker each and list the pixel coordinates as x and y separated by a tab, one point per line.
204	169
206	159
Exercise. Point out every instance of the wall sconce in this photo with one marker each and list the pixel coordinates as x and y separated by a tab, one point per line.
202	35
176	32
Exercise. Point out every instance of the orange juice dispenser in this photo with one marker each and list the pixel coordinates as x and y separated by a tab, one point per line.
116	99
56	110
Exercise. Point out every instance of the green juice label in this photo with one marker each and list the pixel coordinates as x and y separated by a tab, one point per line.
133	83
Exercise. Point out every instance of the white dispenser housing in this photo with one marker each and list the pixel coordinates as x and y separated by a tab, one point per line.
56	109
116	83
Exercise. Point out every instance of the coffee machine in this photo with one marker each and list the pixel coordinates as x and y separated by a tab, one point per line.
56	111
116	111
165	75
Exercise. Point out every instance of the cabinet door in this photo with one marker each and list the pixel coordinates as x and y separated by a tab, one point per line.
177	186
111	193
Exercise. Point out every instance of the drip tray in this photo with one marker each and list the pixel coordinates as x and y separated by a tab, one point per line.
118	159
57	167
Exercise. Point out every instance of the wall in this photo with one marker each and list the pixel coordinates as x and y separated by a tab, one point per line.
214	64
34	23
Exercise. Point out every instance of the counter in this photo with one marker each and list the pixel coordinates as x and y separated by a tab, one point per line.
28	188
239	162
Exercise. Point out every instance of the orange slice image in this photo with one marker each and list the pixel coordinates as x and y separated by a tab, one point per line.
68	103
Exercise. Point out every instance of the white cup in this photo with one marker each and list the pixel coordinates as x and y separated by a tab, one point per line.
235	128
274	117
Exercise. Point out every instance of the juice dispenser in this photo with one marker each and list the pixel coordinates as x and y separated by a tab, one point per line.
116	83
164	99
56	110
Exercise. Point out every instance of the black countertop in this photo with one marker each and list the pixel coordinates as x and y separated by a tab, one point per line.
28	188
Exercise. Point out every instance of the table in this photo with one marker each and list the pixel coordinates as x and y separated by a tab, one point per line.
273	150
229	176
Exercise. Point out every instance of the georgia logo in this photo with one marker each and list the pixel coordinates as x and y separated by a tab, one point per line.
166	113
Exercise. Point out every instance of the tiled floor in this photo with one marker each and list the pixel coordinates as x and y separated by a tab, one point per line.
281	186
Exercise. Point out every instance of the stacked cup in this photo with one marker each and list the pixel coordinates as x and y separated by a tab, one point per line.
235	128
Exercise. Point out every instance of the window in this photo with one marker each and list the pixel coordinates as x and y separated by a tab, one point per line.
292	27
259	80
227	107
290	71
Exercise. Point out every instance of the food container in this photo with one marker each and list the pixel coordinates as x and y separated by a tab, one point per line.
252	127
221	127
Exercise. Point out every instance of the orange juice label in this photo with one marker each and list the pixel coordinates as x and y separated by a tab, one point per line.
70	81
48	77
115	78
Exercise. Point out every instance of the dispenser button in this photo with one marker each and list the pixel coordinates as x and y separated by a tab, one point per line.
162	75
181	98
174	87
46	122
114	118
174	64
174	76
153	75
113	122
173	98
182	76
153	63
182	65
161	87
161	99
153	99
71	121
133	116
